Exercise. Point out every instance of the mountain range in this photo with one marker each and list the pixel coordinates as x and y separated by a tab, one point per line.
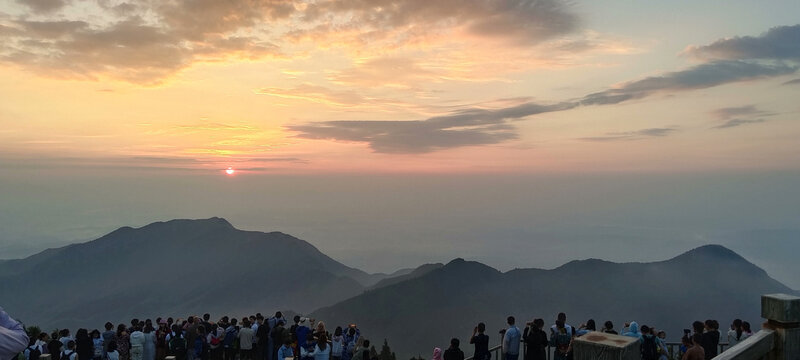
182	267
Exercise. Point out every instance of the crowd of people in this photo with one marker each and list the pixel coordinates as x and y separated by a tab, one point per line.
258	338
199	338
699	343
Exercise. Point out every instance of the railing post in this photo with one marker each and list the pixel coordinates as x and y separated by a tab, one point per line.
783	316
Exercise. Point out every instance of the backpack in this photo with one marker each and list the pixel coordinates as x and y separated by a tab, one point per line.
34	353
649	348
178	344
215	341
230	336
66	355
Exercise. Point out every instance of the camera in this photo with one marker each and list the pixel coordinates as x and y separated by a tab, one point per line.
686	331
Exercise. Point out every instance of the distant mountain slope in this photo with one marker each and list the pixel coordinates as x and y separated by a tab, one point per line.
420	313
403	275
175	268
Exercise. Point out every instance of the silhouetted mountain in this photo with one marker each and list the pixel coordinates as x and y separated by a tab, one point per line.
406	274
174	268
423	312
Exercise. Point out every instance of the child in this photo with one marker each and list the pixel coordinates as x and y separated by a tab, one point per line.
69	353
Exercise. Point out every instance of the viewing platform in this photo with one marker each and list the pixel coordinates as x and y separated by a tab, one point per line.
778	339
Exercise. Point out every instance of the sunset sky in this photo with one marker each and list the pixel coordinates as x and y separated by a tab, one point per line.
174	91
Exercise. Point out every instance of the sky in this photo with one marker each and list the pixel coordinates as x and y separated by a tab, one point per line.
399	132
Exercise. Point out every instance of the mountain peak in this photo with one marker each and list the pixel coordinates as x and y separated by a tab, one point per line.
712	251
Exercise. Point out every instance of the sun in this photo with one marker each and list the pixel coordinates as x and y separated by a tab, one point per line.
230	171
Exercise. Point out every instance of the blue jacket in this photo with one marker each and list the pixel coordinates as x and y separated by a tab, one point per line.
511	340
13	338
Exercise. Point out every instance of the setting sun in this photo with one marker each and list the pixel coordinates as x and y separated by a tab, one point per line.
230	171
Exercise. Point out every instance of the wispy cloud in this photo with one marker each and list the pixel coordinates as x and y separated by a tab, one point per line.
739	115
698	77
467	127
738	122
778	43
792	82
631	135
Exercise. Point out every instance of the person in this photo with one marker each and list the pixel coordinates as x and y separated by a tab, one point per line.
351	338
301	330
279	336
663	349
511	340
137	343
83	345
437	354
285	351
586	328
64	338
123	342
632	330
453	352
177	343
69	353
231	334
649	346
608	328
199	350
111	351
246	335
746	332
97	345
337	344
695	352
535	340
307	349
735	333
271	345
321	350
108	336
34	350
319	330
214	340
362	352
261	337
710	339
561	339
563	317
149	342
54	346
161	339
481	342
191	326
41	343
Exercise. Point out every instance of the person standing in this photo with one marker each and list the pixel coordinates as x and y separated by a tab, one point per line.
695	352
149	342
137	344
123	342
710	339
453	352
535	340
511	340
84	345
108	336
246	336
481	342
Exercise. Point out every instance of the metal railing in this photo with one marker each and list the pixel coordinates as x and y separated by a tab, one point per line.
672	347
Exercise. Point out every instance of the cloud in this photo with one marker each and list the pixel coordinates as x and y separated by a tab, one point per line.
733	116
126	42
738	122
792	82
491	127
43	6
632	135
468	127
698	77
521	21
778	43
